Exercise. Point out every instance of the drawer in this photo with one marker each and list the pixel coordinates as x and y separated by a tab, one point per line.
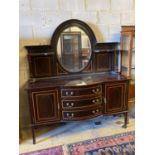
81	103
83	91
82	114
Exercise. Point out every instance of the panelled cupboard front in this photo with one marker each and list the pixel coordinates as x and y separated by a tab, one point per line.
55	104
51	105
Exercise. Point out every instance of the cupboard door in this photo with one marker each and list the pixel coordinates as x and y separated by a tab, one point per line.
116	96
45	106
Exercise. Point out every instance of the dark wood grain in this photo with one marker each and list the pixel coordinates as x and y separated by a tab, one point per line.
56	95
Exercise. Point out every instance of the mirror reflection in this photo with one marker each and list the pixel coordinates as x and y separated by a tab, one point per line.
73	49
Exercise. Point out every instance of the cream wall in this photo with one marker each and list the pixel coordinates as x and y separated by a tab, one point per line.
39	18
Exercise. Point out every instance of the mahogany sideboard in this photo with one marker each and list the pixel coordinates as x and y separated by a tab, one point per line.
75	78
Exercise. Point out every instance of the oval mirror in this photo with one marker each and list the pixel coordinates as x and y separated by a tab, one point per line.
73	41
73	49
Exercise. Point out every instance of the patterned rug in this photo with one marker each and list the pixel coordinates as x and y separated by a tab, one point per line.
49	151
120	144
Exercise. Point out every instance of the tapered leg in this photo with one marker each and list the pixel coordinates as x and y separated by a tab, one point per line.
33	135
125	120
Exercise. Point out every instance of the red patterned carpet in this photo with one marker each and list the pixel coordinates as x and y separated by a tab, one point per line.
49	151
120	144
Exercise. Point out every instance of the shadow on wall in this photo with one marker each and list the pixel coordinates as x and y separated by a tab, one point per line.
97	32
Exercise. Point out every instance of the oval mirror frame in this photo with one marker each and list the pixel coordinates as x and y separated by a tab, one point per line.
73	23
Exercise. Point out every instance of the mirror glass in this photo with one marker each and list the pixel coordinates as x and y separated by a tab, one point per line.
73	49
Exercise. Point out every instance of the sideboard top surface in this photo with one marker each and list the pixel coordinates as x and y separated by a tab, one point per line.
78	80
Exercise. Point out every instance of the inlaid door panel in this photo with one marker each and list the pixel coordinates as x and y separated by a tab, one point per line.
116	97
45	106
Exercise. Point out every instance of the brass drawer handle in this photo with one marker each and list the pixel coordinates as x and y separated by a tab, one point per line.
67	93
96	90
95	111
72	93
67	114
93	101
69	104
96	100
70	115
93	90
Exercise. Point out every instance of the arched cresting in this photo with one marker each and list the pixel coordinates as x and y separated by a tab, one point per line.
76	62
